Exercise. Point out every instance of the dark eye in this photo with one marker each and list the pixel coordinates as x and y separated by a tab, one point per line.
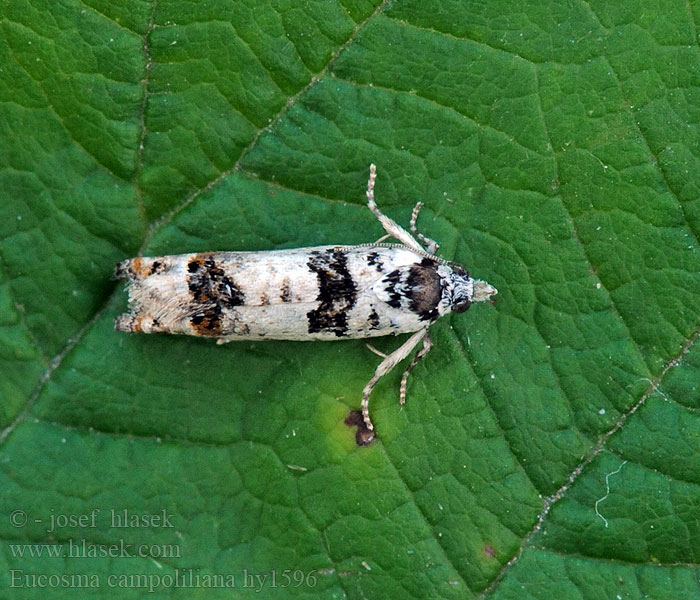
461	306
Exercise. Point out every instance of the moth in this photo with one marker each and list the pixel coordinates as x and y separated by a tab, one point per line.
316	293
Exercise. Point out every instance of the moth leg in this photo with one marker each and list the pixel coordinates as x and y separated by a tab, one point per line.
386	366
390	226
431	245
420	355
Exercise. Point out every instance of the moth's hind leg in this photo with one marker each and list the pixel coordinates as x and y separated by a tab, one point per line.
431	245
392	228
388	364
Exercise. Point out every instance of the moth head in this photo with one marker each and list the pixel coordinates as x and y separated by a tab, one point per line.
459	290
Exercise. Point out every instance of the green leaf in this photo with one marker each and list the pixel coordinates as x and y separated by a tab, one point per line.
548	448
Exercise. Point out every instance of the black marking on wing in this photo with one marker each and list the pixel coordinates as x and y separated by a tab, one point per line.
394	288
373	260
286	294
208	322
157	267
337	292
211	290
373	320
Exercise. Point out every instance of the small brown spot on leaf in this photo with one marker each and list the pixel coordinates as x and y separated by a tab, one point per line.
364	436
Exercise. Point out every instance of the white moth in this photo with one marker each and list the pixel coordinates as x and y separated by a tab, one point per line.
316	293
